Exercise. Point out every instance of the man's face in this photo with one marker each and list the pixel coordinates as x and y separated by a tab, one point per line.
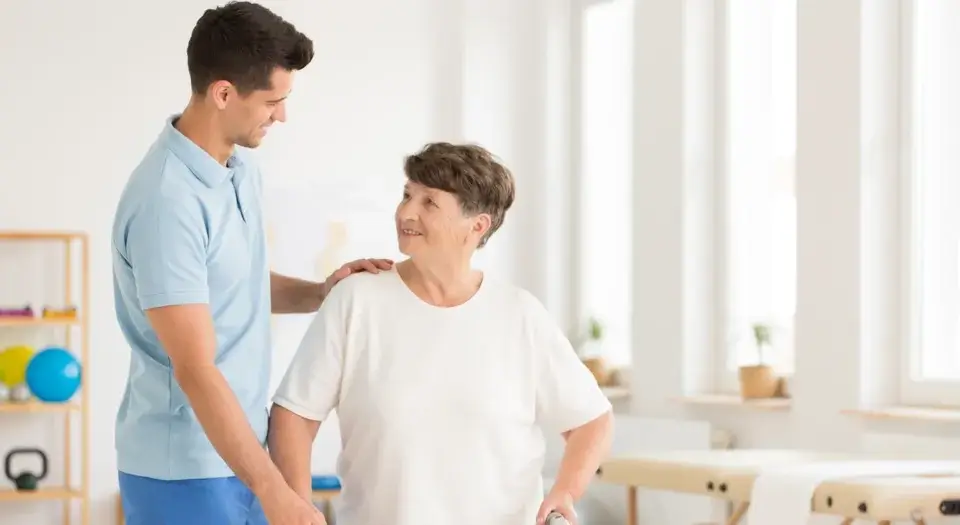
246	118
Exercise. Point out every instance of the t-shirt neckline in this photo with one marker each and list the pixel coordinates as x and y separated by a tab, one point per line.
419	300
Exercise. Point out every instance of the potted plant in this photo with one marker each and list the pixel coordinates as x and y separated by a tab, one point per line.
590	351
759	381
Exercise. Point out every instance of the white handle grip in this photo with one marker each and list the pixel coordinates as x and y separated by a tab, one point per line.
555	518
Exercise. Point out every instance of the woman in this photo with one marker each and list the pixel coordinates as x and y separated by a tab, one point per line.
443	378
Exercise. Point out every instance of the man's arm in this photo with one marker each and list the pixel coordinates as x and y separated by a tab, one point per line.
290	295
166	248
291	445
187	334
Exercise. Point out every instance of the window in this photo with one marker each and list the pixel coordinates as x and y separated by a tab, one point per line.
932	201
758	227
605	143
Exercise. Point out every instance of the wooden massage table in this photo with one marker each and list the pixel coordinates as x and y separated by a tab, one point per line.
730	474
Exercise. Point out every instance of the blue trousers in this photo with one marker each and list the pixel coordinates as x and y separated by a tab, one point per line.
215	501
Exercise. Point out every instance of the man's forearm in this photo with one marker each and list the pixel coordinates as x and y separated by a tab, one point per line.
585	449
291	442
225	424
290	295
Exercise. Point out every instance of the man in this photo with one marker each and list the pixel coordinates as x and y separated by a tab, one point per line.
194	293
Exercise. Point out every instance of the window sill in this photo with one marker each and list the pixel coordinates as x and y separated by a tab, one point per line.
906	413
776	404
616	393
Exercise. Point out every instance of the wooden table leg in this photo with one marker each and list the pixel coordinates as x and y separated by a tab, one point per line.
738	513
632	518
120	517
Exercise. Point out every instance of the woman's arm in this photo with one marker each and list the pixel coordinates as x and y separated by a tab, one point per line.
291	445
586	447
309	391
569	402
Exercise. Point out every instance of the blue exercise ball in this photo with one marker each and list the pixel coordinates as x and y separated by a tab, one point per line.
53	375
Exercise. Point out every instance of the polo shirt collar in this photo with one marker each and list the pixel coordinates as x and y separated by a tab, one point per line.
197	160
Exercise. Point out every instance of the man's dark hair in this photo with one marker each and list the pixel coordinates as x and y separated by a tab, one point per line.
481	183
243	43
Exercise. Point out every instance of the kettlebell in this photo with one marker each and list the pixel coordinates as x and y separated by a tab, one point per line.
25	480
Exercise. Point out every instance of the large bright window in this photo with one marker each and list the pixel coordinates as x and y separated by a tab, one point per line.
758	231
932	200
604	195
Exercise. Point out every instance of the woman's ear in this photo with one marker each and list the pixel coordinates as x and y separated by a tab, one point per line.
481	224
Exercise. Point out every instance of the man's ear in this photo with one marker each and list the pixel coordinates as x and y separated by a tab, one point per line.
220	92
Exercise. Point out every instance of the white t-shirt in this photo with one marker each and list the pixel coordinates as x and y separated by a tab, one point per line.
441	409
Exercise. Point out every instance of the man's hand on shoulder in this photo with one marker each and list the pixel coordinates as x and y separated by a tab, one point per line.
352	267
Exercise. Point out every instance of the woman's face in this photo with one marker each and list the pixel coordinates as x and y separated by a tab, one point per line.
431	224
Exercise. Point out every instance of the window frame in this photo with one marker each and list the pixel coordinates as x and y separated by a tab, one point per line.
912	391
725	380
581	314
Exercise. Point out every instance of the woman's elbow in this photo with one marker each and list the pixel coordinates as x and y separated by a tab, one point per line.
284	423
598	427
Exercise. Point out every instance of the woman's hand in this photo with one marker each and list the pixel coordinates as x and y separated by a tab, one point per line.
560	502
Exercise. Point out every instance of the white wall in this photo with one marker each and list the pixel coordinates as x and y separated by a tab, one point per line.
88	84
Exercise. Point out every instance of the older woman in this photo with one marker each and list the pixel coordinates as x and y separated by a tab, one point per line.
443	378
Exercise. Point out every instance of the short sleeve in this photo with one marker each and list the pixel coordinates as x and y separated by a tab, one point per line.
567	394
166	248
310	387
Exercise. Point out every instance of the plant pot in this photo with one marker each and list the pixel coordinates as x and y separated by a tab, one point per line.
783	387
598	368
758	382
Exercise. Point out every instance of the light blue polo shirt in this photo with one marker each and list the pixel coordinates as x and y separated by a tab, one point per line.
189	230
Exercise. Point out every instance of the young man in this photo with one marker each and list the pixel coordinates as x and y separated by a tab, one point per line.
194	293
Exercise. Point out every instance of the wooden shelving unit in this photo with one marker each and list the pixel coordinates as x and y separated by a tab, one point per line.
79	407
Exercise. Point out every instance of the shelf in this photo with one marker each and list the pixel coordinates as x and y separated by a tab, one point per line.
34	407
37	321
906	413
41	494
27	235
71	332
771	404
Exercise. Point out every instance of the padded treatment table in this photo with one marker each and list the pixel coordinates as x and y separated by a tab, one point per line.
729	475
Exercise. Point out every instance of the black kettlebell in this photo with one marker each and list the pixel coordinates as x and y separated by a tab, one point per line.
25	480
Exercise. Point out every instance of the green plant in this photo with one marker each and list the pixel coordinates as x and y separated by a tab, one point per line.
762	337
592	333
594	329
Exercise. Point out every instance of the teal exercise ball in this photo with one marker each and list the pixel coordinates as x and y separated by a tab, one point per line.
53	375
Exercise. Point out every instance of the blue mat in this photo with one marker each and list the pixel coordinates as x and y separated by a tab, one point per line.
325	483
